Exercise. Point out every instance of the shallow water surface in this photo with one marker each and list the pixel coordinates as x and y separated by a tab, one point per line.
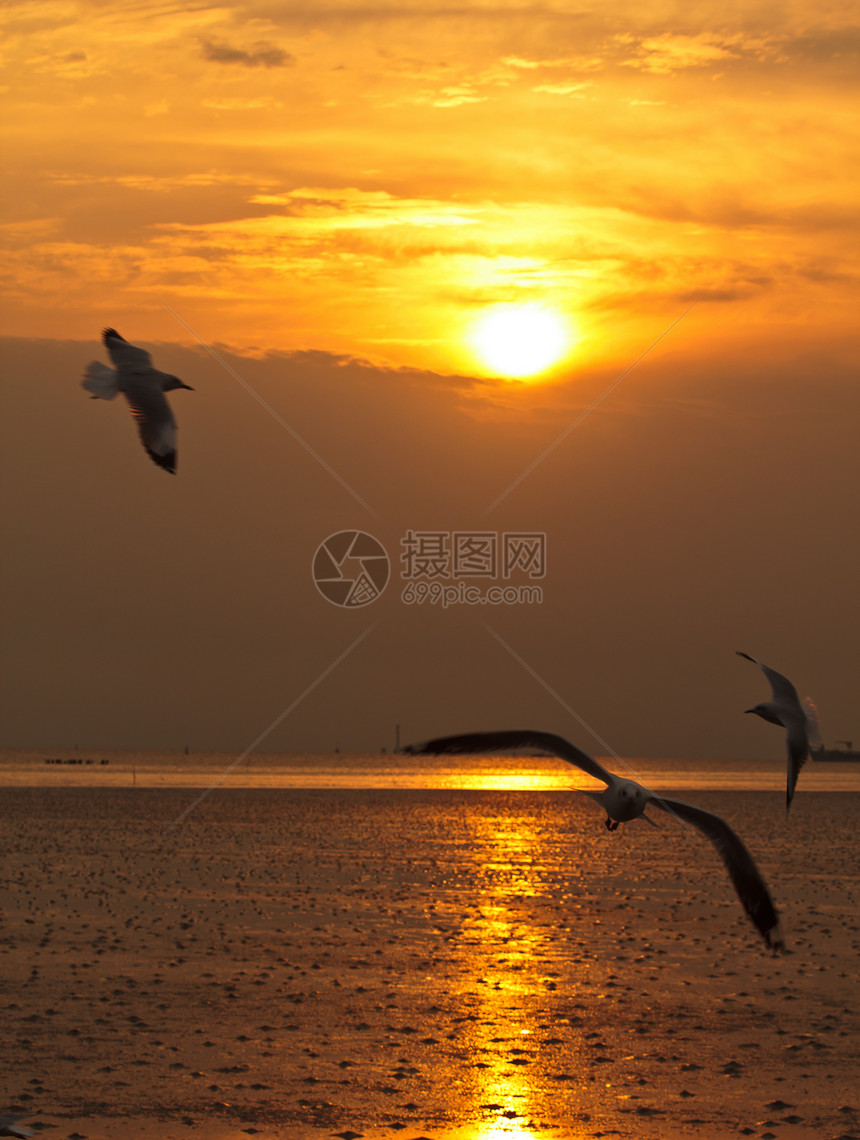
422	962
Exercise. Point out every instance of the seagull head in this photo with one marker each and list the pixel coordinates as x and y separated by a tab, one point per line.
626	801
175	382
767	711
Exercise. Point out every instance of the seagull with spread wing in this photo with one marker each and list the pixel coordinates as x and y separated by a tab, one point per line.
797	718
143	387
624	800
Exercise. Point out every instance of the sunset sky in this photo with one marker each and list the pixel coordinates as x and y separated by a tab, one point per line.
336	195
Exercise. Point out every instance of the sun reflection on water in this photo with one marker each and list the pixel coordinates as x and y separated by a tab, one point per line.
525	781
509	1130
505	980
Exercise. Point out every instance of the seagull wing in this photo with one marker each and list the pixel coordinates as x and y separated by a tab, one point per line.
471	742
783	690
797	745
10	1127
155	423
745	875
124	356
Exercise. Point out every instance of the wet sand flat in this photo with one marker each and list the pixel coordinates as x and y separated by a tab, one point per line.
422	963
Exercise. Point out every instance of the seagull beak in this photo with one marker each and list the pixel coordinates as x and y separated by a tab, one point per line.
748	710
188	386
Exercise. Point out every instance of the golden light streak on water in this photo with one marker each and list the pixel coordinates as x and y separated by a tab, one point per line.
504	955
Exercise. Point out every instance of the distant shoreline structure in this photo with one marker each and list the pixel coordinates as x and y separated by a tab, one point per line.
848	753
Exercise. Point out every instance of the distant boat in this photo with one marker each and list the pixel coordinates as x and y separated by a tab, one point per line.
846	753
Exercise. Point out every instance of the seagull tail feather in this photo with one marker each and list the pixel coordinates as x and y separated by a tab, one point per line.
813	732
101	381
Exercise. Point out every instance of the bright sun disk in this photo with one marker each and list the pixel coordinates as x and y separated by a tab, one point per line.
519	340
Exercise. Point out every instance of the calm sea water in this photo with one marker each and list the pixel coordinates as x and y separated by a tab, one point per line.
99	768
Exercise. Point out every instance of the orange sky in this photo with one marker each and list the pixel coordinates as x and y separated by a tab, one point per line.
365	179
333	195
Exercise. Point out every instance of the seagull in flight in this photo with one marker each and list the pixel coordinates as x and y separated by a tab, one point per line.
623	800
143	387
796	717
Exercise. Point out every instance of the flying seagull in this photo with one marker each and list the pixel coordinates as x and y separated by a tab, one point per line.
798	719
624	800
144	387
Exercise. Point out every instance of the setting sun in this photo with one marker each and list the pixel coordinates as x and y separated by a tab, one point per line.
520	341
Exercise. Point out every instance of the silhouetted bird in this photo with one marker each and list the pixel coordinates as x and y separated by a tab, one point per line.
144	387
624	800
798	718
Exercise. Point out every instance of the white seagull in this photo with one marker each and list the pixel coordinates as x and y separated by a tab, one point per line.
624	800
798	719
143	387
